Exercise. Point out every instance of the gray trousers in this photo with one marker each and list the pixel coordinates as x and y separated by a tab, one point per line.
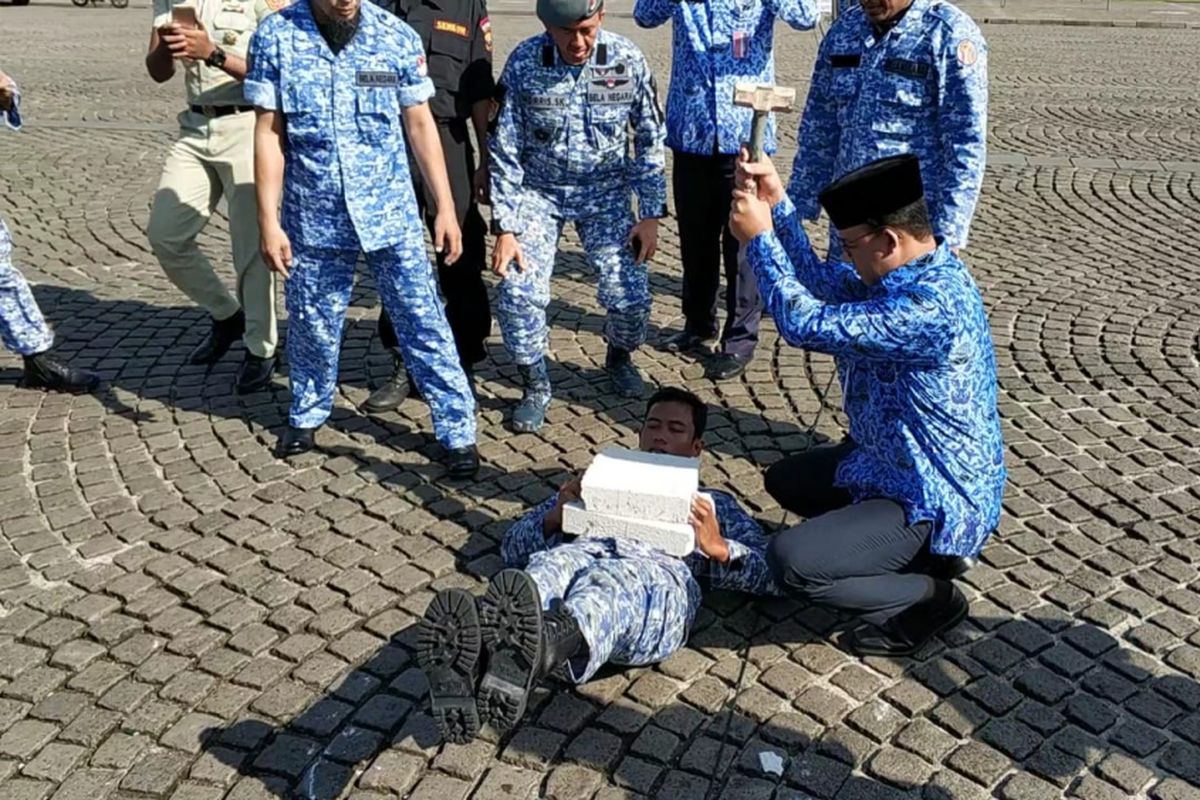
861	557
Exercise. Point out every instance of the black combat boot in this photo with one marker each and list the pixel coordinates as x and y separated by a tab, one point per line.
524	645
391	393
44	371
529	415
625	378
908	631
448	649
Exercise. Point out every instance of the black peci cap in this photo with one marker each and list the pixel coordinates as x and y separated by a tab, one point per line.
874	191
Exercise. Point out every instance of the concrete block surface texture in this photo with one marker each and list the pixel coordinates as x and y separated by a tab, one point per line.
644	486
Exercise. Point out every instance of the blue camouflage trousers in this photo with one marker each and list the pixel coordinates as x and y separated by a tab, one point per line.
623	287
22	327
317	294
632	610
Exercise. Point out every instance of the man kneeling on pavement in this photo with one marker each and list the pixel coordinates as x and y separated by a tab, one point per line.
580	604
917	485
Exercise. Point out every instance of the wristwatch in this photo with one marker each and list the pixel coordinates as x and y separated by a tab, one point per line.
216	58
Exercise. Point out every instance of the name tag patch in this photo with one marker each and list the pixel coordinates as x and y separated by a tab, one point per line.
605	96
449	26
909	69
845	60
545	101
380	79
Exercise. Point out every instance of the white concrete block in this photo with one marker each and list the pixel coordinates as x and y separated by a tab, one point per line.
674	539
643	486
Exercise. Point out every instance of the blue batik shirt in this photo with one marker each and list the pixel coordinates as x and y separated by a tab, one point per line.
565	130
919	88
746	571
716	45
346	183
918	370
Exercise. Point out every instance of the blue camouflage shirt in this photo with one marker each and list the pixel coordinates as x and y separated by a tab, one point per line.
918	371
746	571
919	88
718	44
565	130
346	183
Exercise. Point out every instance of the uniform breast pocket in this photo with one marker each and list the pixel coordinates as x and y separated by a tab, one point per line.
542	128
378	113
231	29
448	54
303	112
904	103
609	127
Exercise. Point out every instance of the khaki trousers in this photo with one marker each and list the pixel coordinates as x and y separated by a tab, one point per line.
214	158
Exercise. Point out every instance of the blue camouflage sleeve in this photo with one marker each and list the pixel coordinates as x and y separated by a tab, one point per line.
648	169
504	152
652	13
962	129
524	537
914	327
261	86
747	569
415	84
819	137
799	14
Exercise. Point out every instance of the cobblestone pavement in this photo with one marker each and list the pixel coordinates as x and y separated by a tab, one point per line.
184	616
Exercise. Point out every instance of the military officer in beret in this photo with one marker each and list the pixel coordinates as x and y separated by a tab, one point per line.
213	158
334	82
899	76
574	98
457	35
919	481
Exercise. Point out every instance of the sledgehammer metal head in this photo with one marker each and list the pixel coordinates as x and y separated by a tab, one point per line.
763	99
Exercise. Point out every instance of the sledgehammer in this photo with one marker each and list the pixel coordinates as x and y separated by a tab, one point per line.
763	99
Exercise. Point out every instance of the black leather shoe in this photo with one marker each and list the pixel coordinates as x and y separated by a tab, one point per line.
254	374
462	462
221	336
726	366
44	371
296	441
908	631
686	342
391	393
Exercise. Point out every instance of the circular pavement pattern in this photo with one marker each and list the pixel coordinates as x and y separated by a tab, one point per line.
184	616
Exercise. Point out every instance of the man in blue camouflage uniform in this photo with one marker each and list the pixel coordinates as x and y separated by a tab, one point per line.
23	330
891	77
558	154
333	80
587	602
717	45
918	484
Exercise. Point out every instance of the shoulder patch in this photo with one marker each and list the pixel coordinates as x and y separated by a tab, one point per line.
276	5
485	28
967	53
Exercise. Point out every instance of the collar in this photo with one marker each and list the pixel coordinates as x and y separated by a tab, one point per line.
913	270
308	36
908	20
601	53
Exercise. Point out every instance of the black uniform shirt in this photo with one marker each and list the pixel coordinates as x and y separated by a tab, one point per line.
458	46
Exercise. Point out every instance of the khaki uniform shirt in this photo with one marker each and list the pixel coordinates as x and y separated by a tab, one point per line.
230	24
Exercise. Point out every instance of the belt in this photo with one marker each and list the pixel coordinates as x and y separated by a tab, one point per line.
220	111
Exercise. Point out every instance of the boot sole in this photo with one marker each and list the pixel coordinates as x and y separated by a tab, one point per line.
960	613
448	648
510	616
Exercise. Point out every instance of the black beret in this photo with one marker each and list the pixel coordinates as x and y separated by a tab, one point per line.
874	191
564	13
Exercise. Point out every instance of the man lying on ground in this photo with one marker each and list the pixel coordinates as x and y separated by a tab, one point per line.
583	603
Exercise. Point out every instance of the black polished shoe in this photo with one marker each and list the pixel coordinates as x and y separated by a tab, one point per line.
687	342
44	371
391	393
221	336
726	366
448	649
908	631
254	374
462	462
296	441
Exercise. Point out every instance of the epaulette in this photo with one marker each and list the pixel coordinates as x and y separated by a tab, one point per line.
548	55
601	54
